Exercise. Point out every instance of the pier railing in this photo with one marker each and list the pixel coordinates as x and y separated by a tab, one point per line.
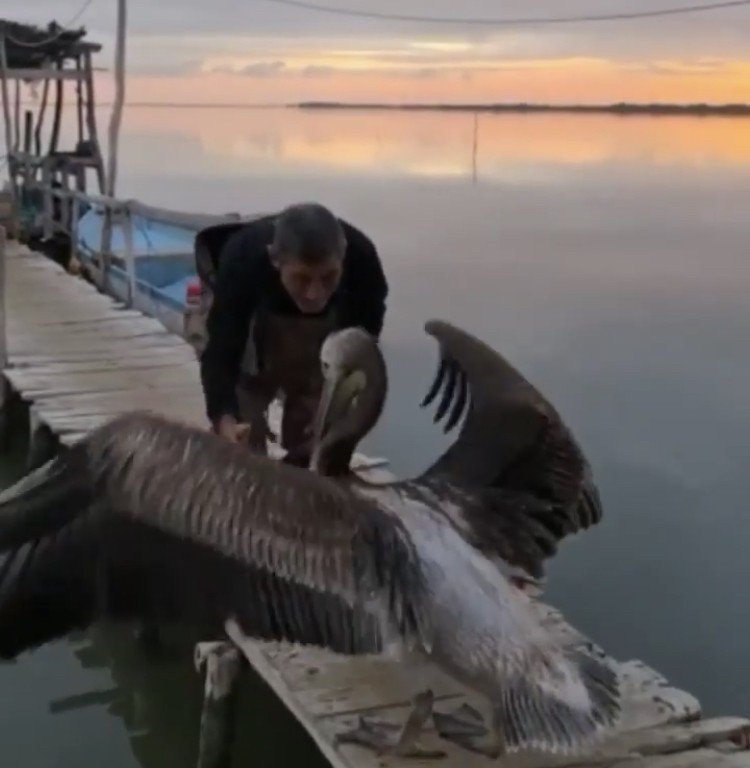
62	205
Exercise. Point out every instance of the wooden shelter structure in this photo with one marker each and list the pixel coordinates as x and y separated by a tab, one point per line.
36	161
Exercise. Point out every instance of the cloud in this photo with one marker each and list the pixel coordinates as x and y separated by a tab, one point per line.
263	69
318	70
178	37
166	68
283	69
701	66
718	32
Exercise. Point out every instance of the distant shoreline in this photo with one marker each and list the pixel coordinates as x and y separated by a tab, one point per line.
734	110
697	110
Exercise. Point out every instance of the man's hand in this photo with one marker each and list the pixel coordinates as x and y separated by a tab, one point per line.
228	428
252	435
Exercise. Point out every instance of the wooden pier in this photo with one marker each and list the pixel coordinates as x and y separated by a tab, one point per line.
76	358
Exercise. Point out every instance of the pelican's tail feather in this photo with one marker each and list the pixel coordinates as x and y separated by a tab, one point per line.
566	705
44	500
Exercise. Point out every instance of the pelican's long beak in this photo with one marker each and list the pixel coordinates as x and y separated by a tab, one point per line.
340	388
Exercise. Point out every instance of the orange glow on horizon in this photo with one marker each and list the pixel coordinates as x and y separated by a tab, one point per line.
367	78
423	143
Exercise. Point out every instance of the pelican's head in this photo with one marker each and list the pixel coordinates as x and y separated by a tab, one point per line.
354	390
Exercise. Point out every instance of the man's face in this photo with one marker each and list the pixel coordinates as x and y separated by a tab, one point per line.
310	286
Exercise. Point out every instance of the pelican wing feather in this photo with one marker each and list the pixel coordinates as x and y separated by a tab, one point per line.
511	440
149	517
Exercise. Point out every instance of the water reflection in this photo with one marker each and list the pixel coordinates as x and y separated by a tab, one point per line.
158	701
424	144
606	257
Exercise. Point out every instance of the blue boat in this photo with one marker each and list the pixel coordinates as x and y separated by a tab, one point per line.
162	256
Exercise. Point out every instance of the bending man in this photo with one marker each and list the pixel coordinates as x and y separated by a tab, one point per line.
283	284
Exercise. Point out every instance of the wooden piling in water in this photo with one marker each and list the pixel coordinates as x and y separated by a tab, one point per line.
222	663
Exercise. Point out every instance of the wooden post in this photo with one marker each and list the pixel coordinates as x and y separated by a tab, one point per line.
114	136
475	149
28	129
17	118
91	121
125	219
6	116
116	119
40	118
64	199
4	388
48	207
3	340
105	249
74	265
79	98
222	663
55	135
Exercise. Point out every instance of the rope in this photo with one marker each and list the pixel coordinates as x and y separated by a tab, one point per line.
510	21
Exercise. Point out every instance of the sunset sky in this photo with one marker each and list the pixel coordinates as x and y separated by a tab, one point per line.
255	51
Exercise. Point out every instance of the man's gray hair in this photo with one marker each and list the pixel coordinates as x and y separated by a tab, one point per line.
309	232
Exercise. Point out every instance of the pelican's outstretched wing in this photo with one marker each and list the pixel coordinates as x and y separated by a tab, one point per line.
512	442
149	518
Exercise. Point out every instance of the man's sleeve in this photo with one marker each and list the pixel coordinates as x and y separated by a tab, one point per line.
369	288
227	324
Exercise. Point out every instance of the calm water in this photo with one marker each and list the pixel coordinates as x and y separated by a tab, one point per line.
607	257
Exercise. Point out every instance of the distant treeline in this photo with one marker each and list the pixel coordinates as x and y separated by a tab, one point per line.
620	108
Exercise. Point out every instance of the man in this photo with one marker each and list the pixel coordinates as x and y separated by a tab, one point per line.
283	284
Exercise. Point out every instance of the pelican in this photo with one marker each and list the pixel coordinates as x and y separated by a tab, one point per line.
149	518
514	482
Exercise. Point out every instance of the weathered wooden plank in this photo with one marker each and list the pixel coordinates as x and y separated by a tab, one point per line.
187	402
121	353
81	400
699	758
19	346
168	359
86	322
108	333
31	384
677	737
76	423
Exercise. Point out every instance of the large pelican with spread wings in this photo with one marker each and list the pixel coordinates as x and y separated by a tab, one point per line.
514	482
147	518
